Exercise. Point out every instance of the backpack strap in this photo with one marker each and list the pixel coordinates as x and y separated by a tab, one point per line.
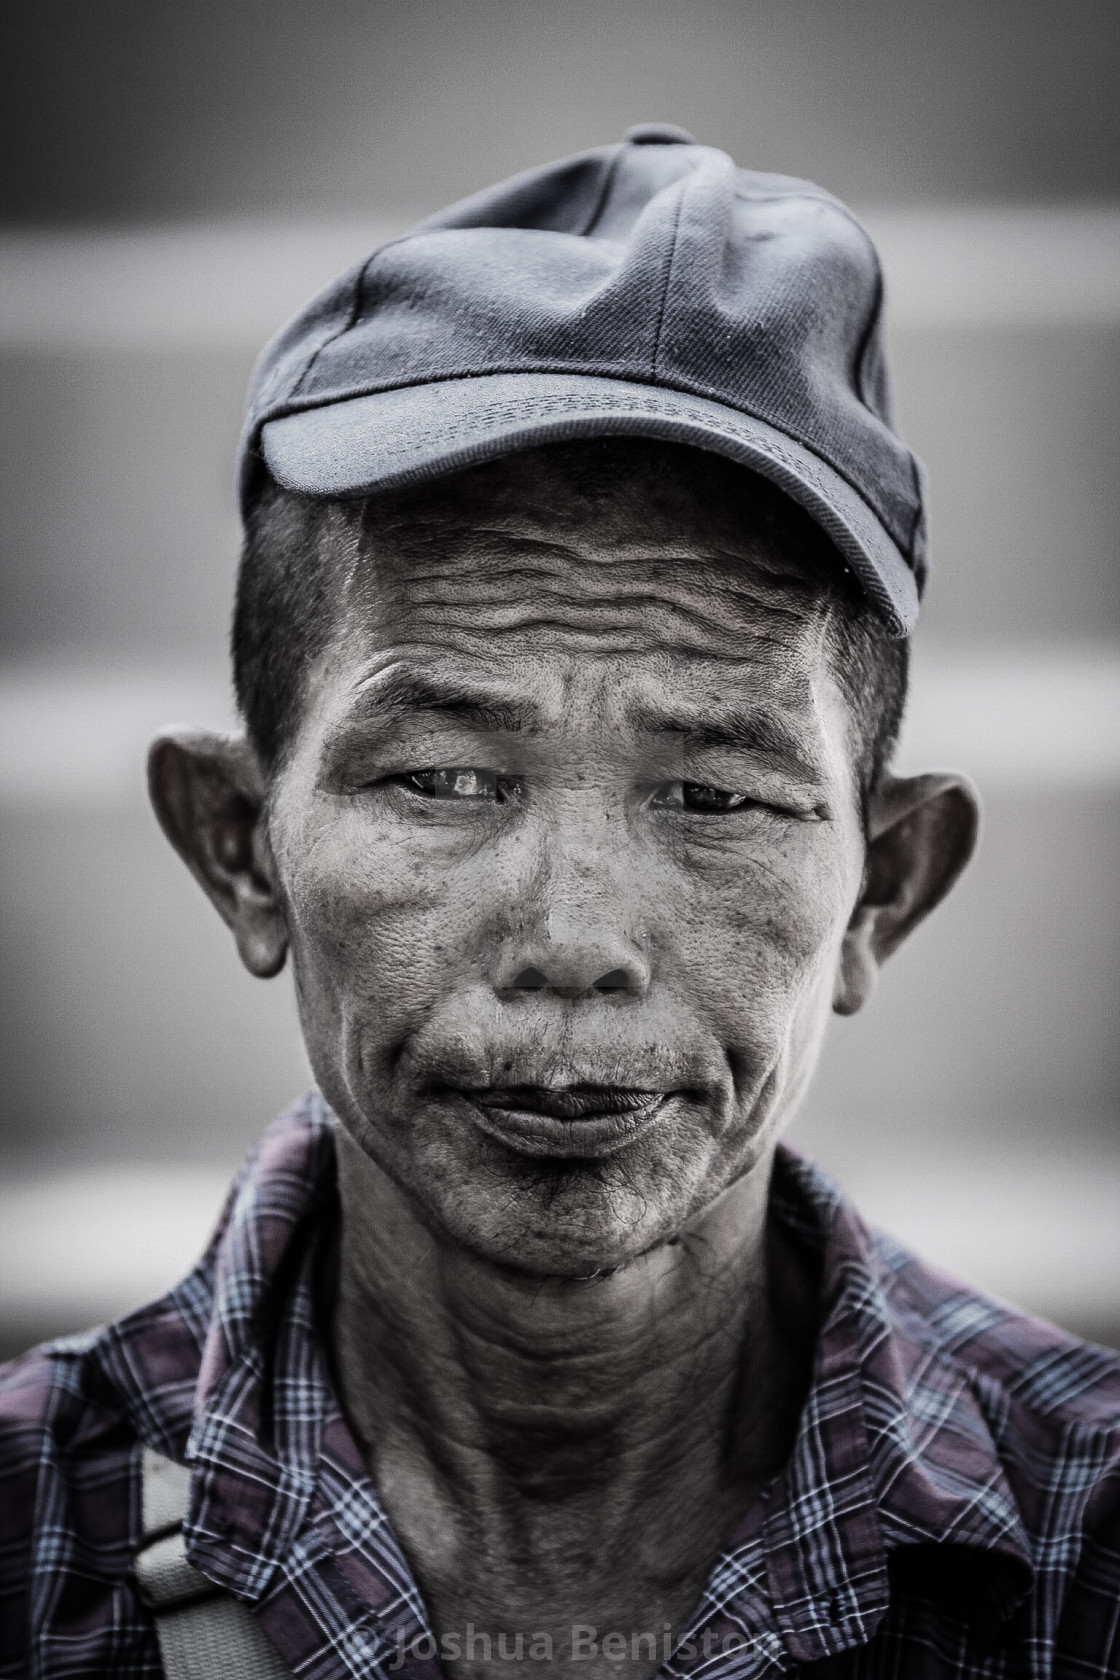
204	1633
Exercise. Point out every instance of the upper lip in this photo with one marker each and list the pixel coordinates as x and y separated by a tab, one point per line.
565	1120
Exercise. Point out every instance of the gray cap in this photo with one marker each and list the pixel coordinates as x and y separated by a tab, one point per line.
647	289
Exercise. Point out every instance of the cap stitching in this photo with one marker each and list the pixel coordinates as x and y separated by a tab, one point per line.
633	378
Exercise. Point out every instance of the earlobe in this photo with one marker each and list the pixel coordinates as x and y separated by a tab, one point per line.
857	972
207	791
922	830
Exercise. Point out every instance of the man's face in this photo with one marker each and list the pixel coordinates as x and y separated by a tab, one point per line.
567	842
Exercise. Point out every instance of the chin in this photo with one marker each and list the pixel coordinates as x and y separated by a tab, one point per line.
564	1218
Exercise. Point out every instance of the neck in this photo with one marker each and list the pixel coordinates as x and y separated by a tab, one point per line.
496	1386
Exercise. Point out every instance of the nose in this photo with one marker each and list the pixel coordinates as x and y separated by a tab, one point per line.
572	935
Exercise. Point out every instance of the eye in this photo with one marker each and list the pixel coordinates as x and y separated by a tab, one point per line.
697	796
455	783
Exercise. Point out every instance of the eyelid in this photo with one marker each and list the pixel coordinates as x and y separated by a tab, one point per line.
745	802
683	782
487	781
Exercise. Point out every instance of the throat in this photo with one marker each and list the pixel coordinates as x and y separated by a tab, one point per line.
553	1452
515	1387
543	1391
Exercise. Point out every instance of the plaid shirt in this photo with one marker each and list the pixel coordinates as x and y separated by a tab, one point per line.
951	1505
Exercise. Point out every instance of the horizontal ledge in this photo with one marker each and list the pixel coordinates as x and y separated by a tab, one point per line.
1000	266
228	286
1019	717
82	1246
1015	717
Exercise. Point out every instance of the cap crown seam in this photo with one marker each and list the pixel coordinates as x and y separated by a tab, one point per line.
667	281
351	320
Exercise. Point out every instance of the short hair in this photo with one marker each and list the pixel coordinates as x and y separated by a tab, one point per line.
289	588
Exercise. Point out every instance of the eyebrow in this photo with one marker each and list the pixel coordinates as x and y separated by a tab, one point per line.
741	728
403	692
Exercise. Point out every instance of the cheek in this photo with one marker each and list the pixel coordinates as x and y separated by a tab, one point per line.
761	927
369	919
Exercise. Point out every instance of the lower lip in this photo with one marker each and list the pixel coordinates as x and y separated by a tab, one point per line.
590	1137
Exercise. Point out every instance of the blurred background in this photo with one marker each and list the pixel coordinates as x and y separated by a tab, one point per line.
174	181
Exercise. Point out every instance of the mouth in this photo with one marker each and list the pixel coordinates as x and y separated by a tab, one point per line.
571	1121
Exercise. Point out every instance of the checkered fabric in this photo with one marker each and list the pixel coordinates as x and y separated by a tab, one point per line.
951	1505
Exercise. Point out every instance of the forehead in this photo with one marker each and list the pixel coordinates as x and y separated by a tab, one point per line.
621	550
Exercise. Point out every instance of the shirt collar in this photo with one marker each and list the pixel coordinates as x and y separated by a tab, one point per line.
893	1452
264	1395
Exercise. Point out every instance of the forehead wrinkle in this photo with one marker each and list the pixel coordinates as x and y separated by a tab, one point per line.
749	571
449	562
655	600
636	599
446	551
723	698
656	639
503	639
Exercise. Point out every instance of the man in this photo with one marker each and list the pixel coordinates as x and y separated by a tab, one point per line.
570	650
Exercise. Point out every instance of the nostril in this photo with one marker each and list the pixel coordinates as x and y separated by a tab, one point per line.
616	981
530	980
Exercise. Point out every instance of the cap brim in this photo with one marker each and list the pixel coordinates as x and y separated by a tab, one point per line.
393	439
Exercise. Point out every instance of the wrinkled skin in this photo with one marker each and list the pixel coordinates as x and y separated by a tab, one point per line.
571	806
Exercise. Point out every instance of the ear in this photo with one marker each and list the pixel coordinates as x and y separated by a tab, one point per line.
922	830
208	792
